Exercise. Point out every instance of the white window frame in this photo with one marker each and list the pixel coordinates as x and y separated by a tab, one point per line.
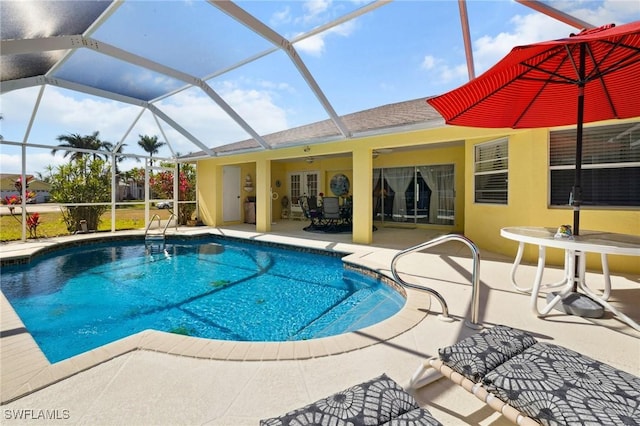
478	173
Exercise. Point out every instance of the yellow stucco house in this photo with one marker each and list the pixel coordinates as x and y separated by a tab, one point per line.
404	167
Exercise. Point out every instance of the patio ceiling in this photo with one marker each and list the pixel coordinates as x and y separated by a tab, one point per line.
80	47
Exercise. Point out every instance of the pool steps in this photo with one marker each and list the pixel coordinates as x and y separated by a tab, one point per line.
356	310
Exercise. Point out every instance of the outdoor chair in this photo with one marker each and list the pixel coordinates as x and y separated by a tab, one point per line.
532	382
331	211
375	402
297	211
311	212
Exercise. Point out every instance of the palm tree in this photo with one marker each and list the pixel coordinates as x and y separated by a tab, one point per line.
91	142
151	145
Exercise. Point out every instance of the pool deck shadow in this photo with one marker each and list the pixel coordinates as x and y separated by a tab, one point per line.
163	378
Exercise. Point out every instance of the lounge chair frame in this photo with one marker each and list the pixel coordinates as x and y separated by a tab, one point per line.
434	369
533	382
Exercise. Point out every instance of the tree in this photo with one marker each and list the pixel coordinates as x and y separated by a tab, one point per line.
151	145
162	184
89	142
85	180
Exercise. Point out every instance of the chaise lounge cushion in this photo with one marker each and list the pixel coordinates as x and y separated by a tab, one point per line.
558	386
380	401
476	355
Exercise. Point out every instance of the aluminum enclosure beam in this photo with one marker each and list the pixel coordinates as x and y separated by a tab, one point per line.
554	13
154	109
466	36
258	27
74	42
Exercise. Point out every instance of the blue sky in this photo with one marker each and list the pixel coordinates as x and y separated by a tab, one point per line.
400	51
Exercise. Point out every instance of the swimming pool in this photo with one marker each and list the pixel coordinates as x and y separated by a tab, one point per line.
74	300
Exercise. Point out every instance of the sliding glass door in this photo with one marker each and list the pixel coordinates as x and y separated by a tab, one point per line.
422	194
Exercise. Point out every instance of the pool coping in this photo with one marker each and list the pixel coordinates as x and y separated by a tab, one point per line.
26	369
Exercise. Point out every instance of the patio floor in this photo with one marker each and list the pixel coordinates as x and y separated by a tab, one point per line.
183	380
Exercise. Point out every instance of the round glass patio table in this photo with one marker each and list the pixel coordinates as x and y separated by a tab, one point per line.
575	247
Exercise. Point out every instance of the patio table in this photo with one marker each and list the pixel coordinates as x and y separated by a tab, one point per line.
576	247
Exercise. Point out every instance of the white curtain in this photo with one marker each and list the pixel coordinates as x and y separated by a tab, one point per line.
399	179
376	199
430	175
446	190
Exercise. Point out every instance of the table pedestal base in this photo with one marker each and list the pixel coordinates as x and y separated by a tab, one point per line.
577	304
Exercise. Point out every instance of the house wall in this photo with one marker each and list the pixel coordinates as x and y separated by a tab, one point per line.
527	198
528	205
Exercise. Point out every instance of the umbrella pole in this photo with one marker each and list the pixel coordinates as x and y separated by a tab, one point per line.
576	193
577	303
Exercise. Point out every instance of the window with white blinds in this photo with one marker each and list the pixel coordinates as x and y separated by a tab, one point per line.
491	172
610	165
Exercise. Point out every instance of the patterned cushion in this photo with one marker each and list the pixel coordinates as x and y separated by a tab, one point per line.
375	402
557	386
415	417
476	355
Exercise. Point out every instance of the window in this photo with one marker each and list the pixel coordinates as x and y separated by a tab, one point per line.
491	174
610	165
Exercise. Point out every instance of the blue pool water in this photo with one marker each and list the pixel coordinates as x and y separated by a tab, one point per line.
78	299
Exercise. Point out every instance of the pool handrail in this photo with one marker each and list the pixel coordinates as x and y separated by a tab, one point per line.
475	277
156	216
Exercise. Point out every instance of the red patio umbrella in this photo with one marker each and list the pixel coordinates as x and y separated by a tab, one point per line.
591	76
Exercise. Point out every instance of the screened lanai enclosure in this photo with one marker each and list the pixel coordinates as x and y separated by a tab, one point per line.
219	78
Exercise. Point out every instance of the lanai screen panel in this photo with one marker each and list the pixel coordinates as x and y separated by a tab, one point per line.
104	72
211	42
28	20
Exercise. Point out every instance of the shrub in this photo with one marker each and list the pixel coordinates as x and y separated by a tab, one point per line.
83	180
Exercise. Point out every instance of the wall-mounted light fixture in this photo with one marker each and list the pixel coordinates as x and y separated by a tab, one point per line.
248	184
309	160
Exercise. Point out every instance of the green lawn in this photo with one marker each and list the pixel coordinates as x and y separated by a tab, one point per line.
52	225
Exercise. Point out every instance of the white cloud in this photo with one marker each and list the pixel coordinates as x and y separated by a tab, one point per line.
429	62
314	8
488	50
281	17
531	28
441	71
537	27
315	45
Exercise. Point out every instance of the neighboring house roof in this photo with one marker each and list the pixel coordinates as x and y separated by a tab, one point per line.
7	183
389	118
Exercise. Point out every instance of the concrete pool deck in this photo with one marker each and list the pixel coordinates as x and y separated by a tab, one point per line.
159	378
